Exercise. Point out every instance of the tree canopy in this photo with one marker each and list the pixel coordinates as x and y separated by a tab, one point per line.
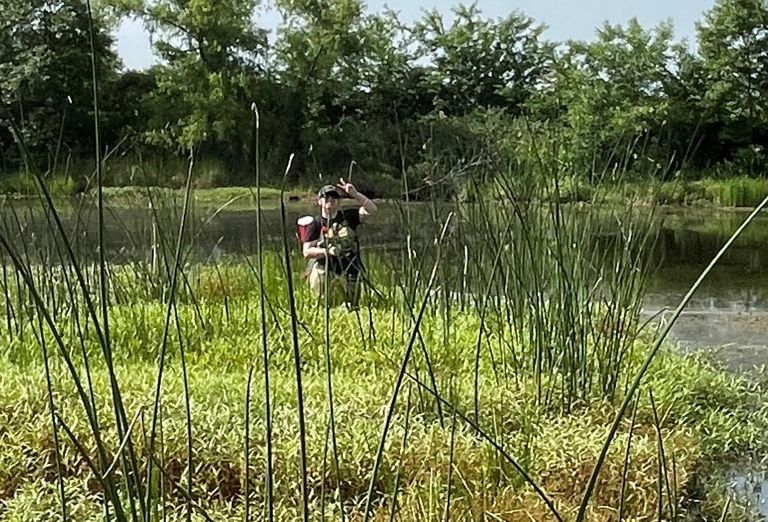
45	73
337	83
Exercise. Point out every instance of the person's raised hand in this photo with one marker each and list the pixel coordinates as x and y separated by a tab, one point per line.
347	187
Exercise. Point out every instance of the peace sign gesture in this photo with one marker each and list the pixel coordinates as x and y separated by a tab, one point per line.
347	187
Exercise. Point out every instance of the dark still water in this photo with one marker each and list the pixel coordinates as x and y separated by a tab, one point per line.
689	239
688	242
728	310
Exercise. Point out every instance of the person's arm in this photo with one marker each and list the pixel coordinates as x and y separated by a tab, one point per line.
367	207
312	251
311	248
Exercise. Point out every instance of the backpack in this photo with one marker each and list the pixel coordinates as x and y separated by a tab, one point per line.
303	228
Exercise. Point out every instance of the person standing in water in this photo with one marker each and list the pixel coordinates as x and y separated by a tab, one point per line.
330	243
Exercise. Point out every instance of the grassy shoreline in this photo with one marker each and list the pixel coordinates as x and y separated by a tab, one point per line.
707	417
241	198
737	193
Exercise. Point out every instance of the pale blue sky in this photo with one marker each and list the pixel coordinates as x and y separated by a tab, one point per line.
565	19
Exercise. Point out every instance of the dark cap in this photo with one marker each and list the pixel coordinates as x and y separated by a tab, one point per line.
328	190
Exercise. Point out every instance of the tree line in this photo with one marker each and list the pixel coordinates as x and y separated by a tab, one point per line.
337	84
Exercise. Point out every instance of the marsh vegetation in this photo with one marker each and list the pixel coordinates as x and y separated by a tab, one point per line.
498	369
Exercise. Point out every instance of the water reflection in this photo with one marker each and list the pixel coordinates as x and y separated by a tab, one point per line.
687	242
750	485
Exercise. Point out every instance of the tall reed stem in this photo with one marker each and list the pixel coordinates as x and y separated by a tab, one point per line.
296	351
649	359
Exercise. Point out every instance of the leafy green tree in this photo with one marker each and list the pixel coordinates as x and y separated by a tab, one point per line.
482	63
320	54
615	89
211	52
126	110
733	43
363	103
45	73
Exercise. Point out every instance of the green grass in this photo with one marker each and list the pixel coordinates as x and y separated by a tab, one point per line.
234	198
707	193
515	338
514	350
215	182
21	185
125	179
708	416
737	191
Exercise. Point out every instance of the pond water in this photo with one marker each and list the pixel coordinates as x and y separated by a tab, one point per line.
751	483
729	312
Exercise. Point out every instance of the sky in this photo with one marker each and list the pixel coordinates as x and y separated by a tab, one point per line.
566	19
